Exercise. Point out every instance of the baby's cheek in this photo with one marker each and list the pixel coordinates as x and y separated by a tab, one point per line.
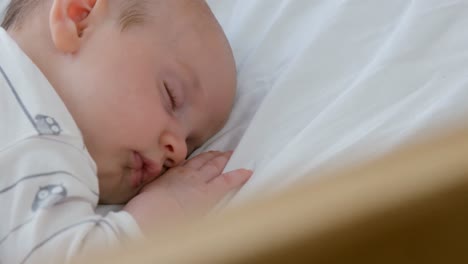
140	120
146	133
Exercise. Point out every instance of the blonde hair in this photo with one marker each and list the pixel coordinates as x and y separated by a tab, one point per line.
132	12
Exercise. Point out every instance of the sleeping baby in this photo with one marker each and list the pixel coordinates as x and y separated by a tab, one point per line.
102	101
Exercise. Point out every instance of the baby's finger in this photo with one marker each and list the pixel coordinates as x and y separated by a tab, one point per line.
215	166
198	161
229	181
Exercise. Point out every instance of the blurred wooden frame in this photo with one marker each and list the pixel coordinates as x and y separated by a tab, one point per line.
410	206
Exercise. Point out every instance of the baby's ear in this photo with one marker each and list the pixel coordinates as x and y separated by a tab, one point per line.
68	20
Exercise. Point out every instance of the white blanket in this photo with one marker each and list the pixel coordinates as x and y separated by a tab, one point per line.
344	81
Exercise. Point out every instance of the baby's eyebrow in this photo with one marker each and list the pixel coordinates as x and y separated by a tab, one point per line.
195	82
189	79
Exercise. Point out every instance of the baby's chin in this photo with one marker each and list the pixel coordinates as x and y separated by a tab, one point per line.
113	191
117	198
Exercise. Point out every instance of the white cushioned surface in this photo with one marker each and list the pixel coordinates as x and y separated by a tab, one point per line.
328	83
3	4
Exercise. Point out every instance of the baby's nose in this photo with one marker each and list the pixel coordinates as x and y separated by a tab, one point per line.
175	151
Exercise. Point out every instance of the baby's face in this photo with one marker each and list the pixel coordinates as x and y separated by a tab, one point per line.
146	97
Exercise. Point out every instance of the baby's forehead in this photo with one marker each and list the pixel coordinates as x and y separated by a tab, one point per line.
197	40
189	9
211	110
182	14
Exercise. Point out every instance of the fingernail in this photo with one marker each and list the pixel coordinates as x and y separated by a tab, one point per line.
248	174
247	171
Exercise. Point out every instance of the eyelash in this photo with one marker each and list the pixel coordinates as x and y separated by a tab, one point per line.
172	98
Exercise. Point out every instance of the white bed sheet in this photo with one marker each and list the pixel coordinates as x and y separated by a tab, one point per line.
339	81
3	4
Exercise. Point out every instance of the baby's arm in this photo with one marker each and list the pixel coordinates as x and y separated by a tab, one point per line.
48	196
185	191
49	192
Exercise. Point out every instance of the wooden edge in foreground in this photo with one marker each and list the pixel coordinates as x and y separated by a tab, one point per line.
407	207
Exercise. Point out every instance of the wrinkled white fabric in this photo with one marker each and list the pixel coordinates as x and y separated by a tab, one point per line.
329	83
3	4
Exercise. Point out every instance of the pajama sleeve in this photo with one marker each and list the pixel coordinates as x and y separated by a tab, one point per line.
48	180
48	195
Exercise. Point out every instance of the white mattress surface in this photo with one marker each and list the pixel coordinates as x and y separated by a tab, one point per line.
339	81
3	4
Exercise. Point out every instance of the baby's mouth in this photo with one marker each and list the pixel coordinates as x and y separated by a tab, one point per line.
143	170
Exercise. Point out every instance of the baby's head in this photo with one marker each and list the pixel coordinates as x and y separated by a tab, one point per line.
147	82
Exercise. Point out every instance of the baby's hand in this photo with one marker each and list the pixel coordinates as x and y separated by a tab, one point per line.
186	191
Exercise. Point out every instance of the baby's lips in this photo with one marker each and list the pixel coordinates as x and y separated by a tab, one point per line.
152	170
137	161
